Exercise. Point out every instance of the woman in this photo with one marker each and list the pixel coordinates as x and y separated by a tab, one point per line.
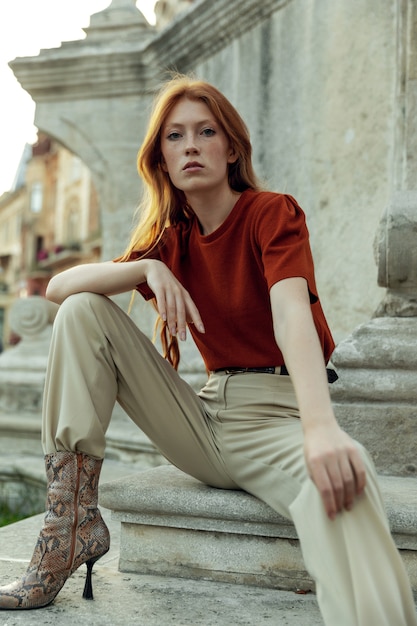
233	265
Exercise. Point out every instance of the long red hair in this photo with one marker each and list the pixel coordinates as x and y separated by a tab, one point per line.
163	204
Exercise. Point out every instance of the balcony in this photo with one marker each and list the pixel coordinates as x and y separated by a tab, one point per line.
60	256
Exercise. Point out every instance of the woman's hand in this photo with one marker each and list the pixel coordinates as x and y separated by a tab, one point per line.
174	303
335	466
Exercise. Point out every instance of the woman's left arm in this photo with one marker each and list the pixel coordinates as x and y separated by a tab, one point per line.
333	460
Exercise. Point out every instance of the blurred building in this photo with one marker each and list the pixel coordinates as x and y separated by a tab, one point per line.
11	210
49	221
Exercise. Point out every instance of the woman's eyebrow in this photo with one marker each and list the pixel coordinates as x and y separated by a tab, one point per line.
199	123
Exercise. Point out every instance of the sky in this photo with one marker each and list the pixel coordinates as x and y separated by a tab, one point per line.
26	27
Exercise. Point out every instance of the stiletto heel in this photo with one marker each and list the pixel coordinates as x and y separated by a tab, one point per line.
88	587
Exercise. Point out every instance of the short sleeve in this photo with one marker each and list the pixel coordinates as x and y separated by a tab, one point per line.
283	239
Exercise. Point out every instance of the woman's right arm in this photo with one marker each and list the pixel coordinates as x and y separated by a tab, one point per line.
107	278
173	301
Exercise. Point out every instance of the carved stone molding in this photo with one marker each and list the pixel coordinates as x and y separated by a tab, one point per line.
207	27
396	252
108	65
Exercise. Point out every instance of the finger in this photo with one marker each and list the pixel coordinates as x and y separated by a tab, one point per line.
337	484
321	479
349	483
193	314
171	312
161	305
181	317
359	471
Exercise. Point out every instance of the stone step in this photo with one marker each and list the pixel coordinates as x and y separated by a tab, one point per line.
128	599
174	525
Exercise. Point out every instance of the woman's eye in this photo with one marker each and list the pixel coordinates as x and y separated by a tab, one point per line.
208	132
173	136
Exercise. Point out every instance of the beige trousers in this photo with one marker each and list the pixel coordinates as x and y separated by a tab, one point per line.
241	431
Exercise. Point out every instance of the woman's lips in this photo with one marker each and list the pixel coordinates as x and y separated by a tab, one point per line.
192	166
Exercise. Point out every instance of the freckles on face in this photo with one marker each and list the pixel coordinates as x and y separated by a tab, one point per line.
195	149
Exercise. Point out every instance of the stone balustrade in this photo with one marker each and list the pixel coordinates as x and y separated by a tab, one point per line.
23	367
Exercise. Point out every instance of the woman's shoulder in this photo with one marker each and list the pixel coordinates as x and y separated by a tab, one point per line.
265	202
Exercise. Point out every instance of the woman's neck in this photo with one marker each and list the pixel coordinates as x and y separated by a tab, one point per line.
212	209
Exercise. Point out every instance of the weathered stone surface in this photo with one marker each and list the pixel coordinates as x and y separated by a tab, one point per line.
375	396
213	555
387	431
173	524
378	362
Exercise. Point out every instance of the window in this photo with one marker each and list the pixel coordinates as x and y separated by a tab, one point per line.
36	198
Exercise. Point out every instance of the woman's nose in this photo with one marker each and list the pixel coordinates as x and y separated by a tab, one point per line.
191	145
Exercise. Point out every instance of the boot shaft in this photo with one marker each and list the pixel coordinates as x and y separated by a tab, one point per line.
73	532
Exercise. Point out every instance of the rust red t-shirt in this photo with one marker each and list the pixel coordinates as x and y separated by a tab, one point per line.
229	273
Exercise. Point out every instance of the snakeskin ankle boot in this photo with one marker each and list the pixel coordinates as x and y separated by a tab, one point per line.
73	533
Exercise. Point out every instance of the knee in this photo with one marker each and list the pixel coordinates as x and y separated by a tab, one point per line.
79	303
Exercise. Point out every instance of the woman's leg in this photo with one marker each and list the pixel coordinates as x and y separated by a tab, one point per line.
98	355
360	577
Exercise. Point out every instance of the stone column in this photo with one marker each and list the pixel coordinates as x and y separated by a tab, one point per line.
375	396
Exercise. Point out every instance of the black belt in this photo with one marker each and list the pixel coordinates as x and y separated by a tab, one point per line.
280	371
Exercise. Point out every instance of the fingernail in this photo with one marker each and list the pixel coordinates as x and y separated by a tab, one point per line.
173	331
182	336
201	328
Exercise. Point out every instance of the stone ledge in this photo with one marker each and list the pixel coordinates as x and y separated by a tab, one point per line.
184	500
172	524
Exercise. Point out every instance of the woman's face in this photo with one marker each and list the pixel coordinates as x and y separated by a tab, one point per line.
196	152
